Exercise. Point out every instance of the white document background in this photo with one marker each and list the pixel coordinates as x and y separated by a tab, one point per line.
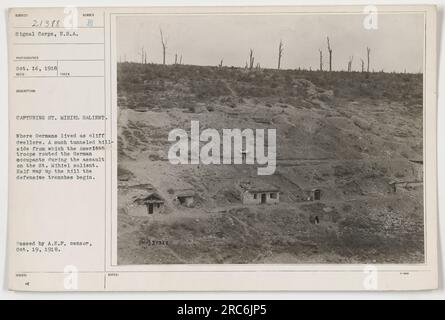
4	294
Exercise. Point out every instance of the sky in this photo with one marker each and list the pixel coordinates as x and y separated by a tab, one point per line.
396	45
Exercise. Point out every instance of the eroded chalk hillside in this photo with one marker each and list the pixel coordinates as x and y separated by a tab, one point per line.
357	137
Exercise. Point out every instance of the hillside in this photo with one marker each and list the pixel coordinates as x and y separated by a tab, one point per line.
349	134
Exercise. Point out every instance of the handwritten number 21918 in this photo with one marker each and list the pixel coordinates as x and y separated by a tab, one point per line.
45	23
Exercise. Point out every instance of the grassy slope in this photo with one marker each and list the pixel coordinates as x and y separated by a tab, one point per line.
348	133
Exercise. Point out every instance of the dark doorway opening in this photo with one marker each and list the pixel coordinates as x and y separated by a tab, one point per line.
263	198
150	208
317	194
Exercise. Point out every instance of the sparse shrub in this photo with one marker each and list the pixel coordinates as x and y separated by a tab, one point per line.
404	154
361	123
124	174
335	217
342	171
155	157
399	175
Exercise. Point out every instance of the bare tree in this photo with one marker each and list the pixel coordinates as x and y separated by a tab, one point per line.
321	59
280	53
176	58
368	52
180	59
142	55
330	54
351	58
258	66
221	63
164	46
251	59
363	65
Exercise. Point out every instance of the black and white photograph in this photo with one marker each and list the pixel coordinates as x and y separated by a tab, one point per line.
270	138
198	150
